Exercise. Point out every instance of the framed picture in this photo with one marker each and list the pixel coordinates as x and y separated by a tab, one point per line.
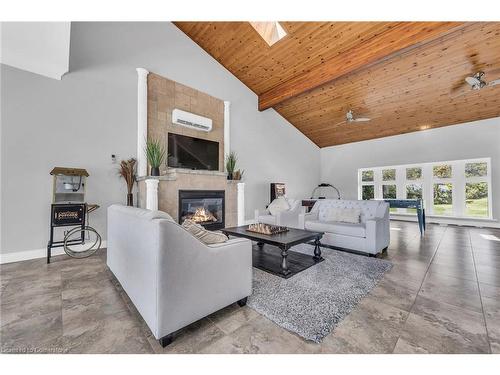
277	190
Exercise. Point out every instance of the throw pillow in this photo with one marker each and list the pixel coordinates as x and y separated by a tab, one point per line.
278	205
206	236
344	215
293	203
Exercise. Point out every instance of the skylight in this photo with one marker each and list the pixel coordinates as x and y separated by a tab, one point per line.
271	32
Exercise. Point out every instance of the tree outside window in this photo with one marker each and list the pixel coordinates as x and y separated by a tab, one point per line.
368	192
413	191
389	191
476	199
441	171
460	188
476	169
443	199
414	173
367	176
388	174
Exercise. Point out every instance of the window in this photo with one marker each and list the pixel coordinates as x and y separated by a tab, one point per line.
476	169
368	192
388	175
389	185
442	171
413	191
476	190
476	199
389	191
413	173
367	176
270	31
443	199
459	188
368	186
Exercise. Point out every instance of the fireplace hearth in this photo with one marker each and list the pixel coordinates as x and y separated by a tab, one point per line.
205	207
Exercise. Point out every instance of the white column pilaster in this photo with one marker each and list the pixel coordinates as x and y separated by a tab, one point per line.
227	130
142	120
241	203
152	194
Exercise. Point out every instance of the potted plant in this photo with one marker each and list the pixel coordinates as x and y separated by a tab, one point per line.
127	171
231	164
155	152
238	175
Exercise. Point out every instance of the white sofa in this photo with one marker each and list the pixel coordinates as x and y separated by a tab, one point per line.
172	278
289	218
370	236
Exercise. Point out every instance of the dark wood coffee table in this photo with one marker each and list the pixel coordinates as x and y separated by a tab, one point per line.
276	257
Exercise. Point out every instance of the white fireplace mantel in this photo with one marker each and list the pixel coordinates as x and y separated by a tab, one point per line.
152	194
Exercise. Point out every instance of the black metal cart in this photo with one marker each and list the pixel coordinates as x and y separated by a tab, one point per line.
69	209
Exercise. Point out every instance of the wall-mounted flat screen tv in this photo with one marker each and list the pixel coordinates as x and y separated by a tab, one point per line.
192	153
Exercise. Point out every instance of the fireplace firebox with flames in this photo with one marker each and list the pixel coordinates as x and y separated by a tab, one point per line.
205	207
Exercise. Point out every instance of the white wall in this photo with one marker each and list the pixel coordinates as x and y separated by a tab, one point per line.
38	47
339	164
91	113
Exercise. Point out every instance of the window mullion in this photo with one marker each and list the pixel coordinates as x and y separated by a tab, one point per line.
400	183
377	182
458	180
427	187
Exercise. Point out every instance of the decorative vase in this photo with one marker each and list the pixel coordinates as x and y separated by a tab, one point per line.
155	171
130	199
229	176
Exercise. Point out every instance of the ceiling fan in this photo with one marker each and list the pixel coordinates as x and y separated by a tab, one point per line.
349	118
474	82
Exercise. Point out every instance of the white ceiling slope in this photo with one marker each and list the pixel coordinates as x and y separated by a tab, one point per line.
38	47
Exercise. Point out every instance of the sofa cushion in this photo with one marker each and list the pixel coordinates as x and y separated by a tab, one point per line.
293	203
267	219
370	209
344	215
206	236
346	229
278	205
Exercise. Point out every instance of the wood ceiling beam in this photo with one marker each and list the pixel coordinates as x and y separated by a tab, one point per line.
398	39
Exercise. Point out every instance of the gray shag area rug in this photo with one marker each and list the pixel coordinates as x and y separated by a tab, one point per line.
313	302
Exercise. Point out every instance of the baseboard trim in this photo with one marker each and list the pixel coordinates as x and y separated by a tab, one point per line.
480	223
19	256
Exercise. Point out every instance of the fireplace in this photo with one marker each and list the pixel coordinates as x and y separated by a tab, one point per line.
206	207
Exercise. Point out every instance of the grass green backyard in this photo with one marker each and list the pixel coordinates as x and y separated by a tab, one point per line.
476	207
473	207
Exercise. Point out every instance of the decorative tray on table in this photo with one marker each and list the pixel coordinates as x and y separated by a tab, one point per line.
266	229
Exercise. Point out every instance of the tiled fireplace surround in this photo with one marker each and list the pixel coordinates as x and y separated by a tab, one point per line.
178	179
161	96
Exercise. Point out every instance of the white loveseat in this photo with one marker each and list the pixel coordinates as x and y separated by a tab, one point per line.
371	235
172	278
288	218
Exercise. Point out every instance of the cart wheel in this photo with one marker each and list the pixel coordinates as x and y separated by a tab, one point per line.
74	247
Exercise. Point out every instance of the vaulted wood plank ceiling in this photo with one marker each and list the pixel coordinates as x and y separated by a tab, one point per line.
405	76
